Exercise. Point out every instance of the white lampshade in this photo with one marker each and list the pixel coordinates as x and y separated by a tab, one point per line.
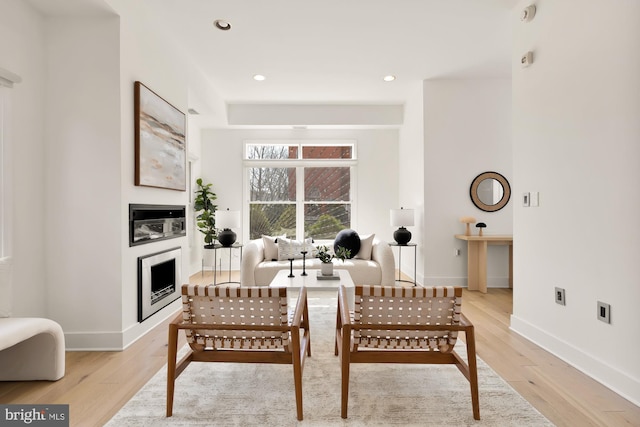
228	219
402	217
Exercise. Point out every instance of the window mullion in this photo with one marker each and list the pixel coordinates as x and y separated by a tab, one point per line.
300	203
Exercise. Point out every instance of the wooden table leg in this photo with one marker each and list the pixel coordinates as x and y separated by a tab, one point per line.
472	265
477	266
482	266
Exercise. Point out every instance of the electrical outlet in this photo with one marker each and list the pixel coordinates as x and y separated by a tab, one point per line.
560	299
604	312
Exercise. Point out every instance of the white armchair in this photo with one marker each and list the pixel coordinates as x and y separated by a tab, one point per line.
30	348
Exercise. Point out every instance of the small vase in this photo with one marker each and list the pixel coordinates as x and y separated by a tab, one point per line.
326	268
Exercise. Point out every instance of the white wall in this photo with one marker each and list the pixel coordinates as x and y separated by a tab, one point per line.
576	133
221	164
467	131
148	56
22	52
411	179
74	163
82	164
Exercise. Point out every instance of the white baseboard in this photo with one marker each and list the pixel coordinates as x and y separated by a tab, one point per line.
492	282
137	330
118	340
93	341
609	376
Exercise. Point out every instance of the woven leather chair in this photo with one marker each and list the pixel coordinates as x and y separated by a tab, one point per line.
240	324
404	325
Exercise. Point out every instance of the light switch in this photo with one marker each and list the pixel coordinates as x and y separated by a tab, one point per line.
535	199
526	200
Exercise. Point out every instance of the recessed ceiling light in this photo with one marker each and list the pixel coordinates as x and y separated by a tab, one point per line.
221	24
259	77
389	78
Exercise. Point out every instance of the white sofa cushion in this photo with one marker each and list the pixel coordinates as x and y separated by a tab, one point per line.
361	271
270	247
366	245
288	249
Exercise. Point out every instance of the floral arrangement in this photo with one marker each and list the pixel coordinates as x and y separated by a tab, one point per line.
325	253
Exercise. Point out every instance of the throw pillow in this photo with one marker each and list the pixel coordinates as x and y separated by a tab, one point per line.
271	247
288	248
348	239
366	246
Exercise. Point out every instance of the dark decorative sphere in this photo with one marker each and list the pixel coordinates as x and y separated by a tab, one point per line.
347	239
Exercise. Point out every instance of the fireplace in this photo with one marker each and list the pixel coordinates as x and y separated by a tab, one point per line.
150	223
159	281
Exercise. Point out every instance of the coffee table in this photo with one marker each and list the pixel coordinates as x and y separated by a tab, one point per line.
311	282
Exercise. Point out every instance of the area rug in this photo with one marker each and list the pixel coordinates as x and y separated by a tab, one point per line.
228	394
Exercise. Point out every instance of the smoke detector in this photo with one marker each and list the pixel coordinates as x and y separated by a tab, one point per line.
528	13
221	24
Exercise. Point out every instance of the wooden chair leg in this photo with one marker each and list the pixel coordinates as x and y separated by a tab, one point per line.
297	369
473	372
307	331
172	353
345	365
338	327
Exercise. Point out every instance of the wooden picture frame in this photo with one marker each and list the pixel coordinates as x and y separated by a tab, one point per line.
160	141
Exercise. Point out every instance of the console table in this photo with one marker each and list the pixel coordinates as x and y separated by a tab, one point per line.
477	259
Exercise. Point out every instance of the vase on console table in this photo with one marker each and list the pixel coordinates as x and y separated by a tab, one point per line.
326	268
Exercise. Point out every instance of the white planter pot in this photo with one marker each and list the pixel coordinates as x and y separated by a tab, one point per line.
326	268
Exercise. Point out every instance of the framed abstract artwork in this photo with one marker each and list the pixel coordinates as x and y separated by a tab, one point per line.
160	130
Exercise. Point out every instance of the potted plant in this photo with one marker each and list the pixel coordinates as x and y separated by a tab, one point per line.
325	255
206	219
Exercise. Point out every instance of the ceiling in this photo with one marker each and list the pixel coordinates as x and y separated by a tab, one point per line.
330	51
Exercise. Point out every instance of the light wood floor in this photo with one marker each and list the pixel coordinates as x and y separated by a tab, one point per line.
98	384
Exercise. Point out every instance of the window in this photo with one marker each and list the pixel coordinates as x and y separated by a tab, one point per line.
301	189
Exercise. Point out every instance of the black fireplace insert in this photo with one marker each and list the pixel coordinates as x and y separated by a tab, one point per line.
150	223
159	279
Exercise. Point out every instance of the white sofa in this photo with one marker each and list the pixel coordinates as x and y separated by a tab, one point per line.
379	270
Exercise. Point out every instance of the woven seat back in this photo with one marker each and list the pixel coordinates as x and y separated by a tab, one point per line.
231	305
385	306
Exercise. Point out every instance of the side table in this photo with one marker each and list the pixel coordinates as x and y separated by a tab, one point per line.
415	259
215	257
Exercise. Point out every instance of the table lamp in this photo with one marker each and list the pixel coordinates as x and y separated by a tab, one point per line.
227	220
402	218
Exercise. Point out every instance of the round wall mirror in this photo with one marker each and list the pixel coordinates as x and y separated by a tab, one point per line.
490	191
